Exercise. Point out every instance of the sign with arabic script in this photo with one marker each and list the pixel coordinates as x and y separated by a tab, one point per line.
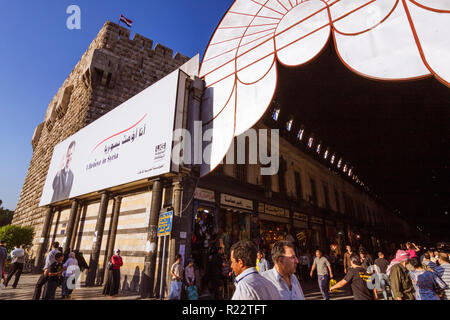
130	143
237	202
165	224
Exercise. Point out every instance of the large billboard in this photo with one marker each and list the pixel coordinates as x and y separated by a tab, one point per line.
130	143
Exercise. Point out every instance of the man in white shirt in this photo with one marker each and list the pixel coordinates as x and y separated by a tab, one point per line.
282	274
250	285
43	278
176	271
18	260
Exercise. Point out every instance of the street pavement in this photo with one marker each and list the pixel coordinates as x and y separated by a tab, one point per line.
25	289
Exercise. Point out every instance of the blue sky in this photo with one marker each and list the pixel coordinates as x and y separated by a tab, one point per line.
38	52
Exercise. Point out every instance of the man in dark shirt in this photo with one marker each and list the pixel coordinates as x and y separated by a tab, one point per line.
358	278
366	259
381	262
54	273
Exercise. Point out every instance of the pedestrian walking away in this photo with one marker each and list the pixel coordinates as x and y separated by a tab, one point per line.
381	262
18	256
54	275
401	284
282	275
412	249
113	283
427	263
3	257
358	278
427	285
250	285
305	265
49	260
177	276
261	263
366	259
324	273
69	275
443	271
191	280
347	254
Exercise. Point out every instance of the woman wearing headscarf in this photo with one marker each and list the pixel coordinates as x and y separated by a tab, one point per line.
113	284
70	269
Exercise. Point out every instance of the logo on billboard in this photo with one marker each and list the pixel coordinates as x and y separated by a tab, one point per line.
160	152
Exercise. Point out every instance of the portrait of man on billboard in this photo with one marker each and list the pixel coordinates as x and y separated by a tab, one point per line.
62	183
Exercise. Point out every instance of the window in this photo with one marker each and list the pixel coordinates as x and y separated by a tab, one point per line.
310	142
241	172
282	176
350	209
350	172
345	168
289	125
298	185
333	157
318	148
336	195
339	163
300	134
267	182
313	198
326	195
325	156
276	114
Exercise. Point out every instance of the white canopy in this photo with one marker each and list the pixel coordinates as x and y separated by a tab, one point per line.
392	40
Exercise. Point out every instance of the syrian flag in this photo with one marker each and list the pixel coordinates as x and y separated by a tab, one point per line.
128	22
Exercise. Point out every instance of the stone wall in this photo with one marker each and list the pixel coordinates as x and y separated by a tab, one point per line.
112	70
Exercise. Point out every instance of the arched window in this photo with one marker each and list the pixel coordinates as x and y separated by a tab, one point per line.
276	114
300	134
289	124
310	142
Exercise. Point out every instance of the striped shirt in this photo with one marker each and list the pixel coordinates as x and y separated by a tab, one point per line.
443	271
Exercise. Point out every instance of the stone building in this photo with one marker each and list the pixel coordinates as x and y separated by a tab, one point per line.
113	69
307	199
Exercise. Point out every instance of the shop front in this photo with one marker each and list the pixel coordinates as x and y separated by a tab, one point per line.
341	241
317	234
235	220
353	238
331	233
204	226
274	225
301	230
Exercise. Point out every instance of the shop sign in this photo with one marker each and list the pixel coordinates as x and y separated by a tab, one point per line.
300	216
236	202
204	194
300	224
272	210
316	220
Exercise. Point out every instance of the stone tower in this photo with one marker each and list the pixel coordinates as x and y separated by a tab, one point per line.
111	71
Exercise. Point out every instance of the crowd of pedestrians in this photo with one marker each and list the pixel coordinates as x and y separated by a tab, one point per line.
410	274
247	273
